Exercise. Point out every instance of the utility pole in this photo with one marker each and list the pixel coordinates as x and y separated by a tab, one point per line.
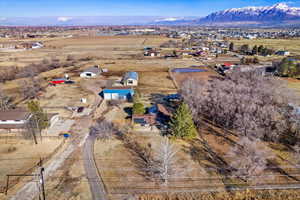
40	181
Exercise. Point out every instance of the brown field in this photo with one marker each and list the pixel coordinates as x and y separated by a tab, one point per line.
203	76
19	155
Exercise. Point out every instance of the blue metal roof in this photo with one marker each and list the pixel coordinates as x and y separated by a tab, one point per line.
123	91
131	75
185	70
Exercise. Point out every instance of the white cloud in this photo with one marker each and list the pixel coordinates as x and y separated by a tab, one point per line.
64	19
3	19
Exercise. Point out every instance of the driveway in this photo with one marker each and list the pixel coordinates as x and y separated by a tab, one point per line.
95	181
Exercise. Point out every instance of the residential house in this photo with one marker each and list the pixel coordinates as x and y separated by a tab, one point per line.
118	93
91	72
130	79
15	121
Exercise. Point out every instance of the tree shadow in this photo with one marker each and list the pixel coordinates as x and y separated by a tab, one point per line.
274	166
141	156
207	158
207	127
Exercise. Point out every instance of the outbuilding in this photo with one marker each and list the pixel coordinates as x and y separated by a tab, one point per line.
118	93
91	72
130	79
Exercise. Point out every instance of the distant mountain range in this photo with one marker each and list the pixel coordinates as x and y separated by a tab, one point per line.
278	14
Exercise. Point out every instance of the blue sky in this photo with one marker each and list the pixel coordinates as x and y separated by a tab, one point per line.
36	8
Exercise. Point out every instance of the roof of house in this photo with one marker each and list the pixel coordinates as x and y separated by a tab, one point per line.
14	115
12	126
162	109
95	70
227	64
118	90
131	75
144	119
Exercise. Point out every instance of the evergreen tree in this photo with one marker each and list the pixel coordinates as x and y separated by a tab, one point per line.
138	109
231	46
260	49
182	124
255	50
38	114
245	48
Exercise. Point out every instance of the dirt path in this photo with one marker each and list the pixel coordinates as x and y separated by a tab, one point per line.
95	181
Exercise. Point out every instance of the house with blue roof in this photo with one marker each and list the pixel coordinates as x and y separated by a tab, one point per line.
118	93
130	79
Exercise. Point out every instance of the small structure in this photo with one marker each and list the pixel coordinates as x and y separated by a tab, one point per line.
118	93
91	72
37	45
152	53
58	81
282	53
130	79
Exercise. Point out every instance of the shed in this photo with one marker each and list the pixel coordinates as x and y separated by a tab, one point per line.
130	79
118	93
91	72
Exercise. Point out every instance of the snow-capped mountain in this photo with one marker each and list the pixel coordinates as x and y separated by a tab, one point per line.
276	13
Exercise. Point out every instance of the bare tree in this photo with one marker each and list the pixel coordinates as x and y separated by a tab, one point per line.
166	164
255	106
250	159
4	100
103	130
29	88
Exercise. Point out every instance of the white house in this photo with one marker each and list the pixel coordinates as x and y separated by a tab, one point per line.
91	72
130	79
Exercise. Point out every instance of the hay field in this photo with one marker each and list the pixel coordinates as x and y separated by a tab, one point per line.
291	45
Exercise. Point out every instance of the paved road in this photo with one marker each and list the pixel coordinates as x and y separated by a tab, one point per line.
96	184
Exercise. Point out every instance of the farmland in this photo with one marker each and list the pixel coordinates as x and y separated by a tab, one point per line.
291	45
202	163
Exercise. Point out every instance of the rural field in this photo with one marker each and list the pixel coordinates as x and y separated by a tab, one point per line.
19	156
291	45
202	163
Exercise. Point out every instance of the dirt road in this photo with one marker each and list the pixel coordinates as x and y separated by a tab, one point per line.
96	184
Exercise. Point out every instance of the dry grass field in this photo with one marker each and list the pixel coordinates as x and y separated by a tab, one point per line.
291	45
18	155
203	76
